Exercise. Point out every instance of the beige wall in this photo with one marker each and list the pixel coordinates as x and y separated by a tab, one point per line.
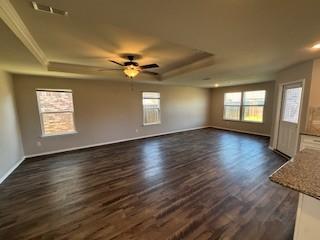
11	150
217	101
291	74
107	111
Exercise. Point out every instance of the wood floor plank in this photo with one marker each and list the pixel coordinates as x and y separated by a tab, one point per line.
202	184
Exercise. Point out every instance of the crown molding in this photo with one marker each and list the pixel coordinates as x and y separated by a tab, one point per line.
12	19
73	68
190	67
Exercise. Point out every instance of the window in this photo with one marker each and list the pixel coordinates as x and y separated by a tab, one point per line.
253	106
232	106
151	108
247	107
291	107
56	112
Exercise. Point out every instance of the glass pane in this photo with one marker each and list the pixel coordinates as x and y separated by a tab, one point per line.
231	113
253	113
151	95
57	123
291	105
50	101
151	111
151	116
151	103
232	98
254	97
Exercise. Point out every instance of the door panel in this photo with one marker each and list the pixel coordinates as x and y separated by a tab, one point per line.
289	121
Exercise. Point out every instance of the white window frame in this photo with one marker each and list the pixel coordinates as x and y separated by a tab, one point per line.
43	134
241	117
143	112
243	106
226	105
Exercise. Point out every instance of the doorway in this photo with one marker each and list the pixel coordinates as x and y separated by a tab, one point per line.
289	118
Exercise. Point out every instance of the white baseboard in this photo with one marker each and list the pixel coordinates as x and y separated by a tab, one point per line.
111	142
240	131
11	170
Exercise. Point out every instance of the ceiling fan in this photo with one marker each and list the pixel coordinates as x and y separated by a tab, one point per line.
131	68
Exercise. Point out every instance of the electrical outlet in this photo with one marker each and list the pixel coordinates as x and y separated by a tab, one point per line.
39	144
137	130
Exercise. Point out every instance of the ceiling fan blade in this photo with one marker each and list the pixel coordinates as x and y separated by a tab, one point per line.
108	69
116	62
149	66
150	73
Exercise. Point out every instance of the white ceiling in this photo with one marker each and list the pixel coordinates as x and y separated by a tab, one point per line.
250	40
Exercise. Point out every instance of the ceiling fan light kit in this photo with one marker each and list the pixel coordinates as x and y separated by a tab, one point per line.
131	71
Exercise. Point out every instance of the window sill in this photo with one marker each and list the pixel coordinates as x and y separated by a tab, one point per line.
59	134
252	122
242	121
150	124
230	120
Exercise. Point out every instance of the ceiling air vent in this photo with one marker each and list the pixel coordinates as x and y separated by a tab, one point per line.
48	9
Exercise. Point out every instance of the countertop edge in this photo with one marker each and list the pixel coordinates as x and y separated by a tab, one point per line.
294	188
310	134
301	173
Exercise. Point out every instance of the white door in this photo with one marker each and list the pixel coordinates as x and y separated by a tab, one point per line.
288	133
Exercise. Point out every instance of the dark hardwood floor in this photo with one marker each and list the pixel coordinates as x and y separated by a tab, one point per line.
203	184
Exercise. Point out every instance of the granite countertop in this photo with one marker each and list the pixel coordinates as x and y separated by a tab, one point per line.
301	174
